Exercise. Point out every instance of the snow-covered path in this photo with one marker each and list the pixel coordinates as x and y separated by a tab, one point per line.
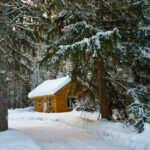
65	138
67	131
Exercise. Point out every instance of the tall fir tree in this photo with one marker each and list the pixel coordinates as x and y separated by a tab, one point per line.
98	61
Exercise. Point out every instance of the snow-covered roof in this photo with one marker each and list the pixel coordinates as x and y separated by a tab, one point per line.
49	87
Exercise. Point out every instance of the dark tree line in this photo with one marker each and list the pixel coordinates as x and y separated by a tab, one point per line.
105	43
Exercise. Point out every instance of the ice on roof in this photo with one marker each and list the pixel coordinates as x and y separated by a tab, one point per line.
49	87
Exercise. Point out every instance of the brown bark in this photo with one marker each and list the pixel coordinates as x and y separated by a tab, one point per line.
3	117
3	92
102	93
3	108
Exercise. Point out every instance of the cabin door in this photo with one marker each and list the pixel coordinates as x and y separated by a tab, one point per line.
45	106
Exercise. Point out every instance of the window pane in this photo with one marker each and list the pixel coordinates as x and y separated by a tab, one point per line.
49	102
39	103
71	102
68	102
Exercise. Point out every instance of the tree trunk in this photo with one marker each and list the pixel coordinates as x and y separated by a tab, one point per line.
3	116
3	94
102	93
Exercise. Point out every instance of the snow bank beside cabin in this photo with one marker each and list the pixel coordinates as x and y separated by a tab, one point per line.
94	116
28	117
14	140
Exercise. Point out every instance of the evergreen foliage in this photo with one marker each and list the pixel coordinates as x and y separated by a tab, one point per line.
103	45
125	63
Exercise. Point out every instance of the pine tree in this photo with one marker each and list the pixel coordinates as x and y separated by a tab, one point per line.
16	43
23	24
106	43
78	28
87	46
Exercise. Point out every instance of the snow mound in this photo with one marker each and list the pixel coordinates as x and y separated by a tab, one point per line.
49	87
14	140
19	110
87	115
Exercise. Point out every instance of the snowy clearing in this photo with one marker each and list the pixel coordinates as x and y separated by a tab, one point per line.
14	140
68	131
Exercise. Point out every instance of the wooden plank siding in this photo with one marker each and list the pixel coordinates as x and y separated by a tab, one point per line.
43	98
61	97
36	105
58	101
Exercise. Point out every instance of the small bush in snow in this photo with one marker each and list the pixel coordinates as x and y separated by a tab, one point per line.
87	105
137	116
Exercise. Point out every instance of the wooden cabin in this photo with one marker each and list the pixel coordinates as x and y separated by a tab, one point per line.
52	96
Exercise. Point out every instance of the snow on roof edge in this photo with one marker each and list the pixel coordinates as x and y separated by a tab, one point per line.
49	87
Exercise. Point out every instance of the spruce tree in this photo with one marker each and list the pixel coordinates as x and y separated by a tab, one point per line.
119	63
23	24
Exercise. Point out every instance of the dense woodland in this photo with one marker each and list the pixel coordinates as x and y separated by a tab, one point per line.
104	45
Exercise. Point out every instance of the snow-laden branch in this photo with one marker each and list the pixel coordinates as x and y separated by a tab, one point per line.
79	27
90	45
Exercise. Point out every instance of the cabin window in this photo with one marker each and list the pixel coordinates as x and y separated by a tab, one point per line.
49	103
71	102
39	103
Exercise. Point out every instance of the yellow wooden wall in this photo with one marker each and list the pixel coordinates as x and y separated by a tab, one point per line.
59	101
42	98
36	107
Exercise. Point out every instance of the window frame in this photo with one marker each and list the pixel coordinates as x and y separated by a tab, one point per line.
70	101
39	103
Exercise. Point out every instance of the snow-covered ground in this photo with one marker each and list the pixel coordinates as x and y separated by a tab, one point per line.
68	131
14	140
